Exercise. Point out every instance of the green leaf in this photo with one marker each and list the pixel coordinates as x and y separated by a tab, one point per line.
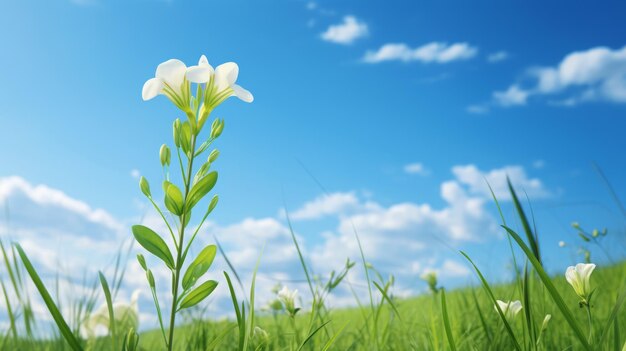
199	266
201	188
174	199
109	301
446	320
532	239
152	242
198	294
492	298
52	307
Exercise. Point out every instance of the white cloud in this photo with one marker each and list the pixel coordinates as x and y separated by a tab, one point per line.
477	181
498	56
19	193
416	168
346	32
437	52
335	203
596	74
513	96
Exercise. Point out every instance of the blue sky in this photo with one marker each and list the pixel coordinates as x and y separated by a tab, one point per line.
354	91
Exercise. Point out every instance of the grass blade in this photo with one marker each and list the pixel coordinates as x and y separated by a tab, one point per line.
312	334
446	320
65	330
532	240
507	326
107	296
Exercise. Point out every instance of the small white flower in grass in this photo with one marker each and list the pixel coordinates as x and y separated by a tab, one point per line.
126	317
578	277
168	80
510	309
288	298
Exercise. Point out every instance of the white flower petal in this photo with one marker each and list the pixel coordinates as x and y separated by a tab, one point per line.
226	75
571	276
172	72
199	74
242	93
151	88
203	61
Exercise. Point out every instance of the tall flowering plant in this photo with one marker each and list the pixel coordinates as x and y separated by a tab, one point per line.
175	80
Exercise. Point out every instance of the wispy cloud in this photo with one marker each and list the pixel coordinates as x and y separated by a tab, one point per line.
416	168
498	56
346	32
596	74
437	52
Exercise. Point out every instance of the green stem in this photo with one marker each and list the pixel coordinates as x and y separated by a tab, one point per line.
179	261
590	337
295	329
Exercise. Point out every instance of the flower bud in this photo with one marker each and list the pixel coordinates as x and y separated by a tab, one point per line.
546	320
165	155
150	277
213	156
131	340
176	130
142	261
144	186
216	128
595	233
575	225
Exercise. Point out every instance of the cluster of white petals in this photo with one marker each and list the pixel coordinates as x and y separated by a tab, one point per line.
288	298
510	309
578	277
172	75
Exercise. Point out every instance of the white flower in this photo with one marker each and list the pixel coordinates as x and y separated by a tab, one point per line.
126	316
288	298
225	77
578	277
510	309
561	243
168	80
202	72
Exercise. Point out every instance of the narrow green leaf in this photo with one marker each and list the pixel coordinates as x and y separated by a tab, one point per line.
198	294
199	266
532	240
312	334
386	298
65	330
487	288
200	189
152	242
109	301
547	282
446	321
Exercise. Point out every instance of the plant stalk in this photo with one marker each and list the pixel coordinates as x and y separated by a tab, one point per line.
179	263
